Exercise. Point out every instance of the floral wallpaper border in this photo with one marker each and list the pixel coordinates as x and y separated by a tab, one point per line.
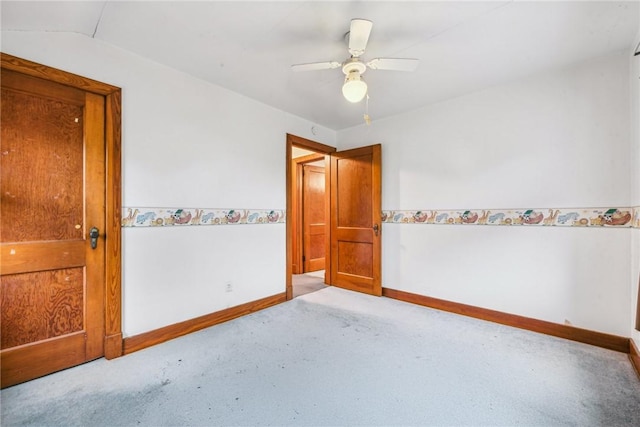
168	217
610	217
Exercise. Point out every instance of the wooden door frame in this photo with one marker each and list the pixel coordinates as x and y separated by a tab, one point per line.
638	307
113	202
297	212
293	140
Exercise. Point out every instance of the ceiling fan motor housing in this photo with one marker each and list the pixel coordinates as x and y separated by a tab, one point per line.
353	65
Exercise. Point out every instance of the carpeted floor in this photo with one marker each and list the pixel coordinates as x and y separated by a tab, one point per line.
335	357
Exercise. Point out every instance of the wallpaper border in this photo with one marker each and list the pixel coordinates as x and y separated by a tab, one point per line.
169	217
610	217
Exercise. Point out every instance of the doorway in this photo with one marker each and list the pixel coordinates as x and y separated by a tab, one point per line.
308	221
308	213
352	220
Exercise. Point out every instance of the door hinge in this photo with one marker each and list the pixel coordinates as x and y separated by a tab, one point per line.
304	258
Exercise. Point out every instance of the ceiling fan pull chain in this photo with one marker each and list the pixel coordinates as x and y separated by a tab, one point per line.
367	119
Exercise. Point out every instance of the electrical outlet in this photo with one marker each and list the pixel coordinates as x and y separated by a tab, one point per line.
228	287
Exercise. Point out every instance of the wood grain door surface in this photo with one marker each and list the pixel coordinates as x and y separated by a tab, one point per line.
313	213
355	230
52	188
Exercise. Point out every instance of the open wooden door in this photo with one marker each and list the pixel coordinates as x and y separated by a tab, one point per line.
355	225
52	278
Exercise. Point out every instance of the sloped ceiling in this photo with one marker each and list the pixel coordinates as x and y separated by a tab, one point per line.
248	47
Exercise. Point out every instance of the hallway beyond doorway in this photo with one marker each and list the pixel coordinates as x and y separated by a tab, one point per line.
309	282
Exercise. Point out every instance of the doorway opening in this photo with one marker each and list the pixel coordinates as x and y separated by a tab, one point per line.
307	216
308	221
352	221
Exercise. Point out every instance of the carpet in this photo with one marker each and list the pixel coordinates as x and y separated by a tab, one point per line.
335	357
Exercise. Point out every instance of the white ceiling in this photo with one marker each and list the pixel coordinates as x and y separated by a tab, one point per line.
248	47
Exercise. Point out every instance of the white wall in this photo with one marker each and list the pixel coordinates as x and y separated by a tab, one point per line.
558	139
635	182
186	143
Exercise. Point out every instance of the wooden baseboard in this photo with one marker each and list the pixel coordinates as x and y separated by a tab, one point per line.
611	342
157	336
634	356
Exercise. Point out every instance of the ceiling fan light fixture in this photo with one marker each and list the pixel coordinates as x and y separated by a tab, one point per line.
354	88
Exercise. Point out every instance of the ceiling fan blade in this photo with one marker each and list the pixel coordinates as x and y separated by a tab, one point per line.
359	36
314	66
395	64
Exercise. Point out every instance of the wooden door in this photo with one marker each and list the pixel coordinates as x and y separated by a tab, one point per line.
356	219
52	187
313	217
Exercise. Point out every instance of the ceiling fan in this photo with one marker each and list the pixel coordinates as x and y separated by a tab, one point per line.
354	88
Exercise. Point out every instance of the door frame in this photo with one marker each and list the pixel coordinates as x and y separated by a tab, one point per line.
638	307
113	201
291	172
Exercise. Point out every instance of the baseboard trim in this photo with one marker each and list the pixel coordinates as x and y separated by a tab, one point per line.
157	336
600	339
634	356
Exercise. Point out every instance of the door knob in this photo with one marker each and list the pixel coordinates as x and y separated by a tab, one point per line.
94	233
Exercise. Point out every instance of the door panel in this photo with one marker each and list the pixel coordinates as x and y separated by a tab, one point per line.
20	364
55	188
354	191
53	192
313	217
41	305
355	219
316	250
